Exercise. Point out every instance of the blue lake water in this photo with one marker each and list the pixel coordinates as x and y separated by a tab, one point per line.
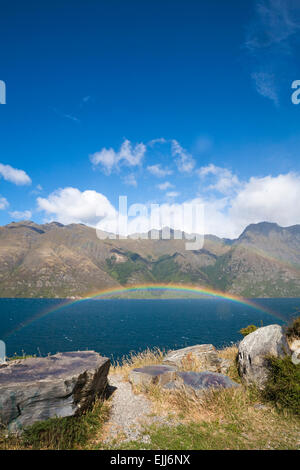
116	327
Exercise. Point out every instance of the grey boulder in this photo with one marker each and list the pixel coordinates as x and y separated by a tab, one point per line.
36	389
254	350
199	382
156	374
204	355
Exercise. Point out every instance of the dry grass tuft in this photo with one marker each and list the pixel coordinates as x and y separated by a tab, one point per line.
230	352
134	360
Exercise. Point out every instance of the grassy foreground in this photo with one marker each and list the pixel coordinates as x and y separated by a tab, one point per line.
240	418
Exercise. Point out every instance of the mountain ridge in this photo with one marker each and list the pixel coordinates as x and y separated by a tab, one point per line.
56	260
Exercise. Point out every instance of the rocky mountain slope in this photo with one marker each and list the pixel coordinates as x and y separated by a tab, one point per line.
53	260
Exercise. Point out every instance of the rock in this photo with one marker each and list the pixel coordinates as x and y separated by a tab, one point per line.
205	356
156	374
294	345
36	389
255	347
200	382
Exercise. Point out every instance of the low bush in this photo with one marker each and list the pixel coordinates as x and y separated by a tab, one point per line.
293	330
65	433
249	329
283	385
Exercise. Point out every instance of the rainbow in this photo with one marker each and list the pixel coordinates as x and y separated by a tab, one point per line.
199	290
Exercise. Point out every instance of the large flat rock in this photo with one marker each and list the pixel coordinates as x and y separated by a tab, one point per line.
36	389
205	356
156	374
200	382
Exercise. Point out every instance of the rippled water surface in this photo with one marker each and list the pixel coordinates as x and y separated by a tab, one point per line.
116	327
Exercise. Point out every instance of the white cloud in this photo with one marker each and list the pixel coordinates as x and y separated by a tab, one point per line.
172	194
268	198
128	155
164	186
270	40
266	86
3	203
276	21
70	205
225	181
21	215
158	171
18	177
184	161
272	199
130	180
160	140
37	190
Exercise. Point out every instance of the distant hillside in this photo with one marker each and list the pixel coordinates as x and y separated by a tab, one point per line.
53	260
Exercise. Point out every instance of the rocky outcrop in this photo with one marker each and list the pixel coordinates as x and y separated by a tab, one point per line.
204	356
156	374
199	382
36	389
254	350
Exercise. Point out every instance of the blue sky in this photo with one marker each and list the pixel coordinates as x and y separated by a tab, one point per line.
162	101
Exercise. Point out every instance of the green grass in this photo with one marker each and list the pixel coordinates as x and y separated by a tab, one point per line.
248	329
234	424
220	419
293	330
283	386
73	432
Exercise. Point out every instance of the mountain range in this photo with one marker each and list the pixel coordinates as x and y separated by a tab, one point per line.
55	260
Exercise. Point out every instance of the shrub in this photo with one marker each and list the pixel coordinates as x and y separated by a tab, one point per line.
293	330
283	385
249	329
65	433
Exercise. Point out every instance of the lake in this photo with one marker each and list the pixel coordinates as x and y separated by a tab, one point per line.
116	327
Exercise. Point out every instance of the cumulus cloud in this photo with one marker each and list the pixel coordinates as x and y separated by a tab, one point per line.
160	140
70	205
172	194
226	213
274	199
3	203
130	180
225	181
164	186
128	155
21	215
269	198
184	161
159	171
18	177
